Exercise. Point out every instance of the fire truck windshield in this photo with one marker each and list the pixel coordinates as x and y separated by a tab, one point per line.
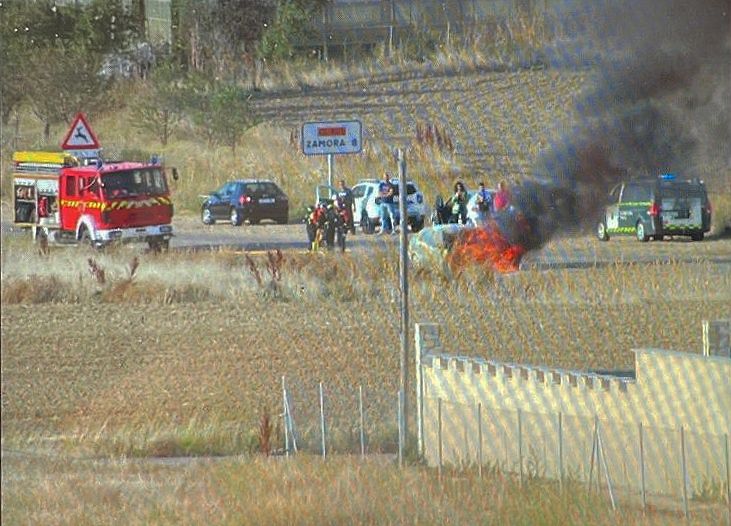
131	183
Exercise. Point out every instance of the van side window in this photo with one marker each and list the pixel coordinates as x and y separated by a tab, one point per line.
71	186
632	193
614	194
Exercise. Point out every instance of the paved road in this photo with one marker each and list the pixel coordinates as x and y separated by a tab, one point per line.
569	252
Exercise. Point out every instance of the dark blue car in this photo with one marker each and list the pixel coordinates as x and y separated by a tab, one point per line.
246	200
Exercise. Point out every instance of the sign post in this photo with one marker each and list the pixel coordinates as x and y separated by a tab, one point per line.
404	279
332	138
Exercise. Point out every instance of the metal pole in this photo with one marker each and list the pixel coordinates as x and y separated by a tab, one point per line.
603	458
403	264
593	450
642	470
685	472
560	450
291	426
466	438
520	446
479	439
439	434
362	431
285	415
728	483
330	168
390	28
400	431
598	458
322	420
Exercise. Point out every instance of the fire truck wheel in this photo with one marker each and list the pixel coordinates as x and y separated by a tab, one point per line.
236	219
159	245
85	237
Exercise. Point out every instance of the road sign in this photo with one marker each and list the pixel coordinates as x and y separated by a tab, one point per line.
332	138
80	135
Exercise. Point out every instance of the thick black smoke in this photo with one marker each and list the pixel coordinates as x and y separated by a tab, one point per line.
661	103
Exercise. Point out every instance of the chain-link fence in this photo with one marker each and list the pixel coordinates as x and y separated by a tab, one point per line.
327	418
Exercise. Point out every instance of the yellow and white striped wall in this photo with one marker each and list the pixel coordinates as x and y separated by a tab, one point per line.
673	418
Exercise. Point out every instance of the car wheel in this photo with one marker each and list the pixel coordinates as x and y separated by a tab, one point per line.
253	221
601	231
207	217
697	236
283	220
366	224
640	232
235	216
417	224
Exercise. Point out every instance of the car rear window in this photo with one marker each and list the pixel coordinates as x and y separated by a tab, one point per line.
359	191
257	189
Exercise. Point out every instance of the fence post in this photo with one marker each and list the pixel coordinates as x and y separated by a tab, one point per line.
391	21
322	420
685	472
362	431
400	430
593	454
479	439
285	415
598	457
642	470
439	434
602	456
560	450
520	446
728	483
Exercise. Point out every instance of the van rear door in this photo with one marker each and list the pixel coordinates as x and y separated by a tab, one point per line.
682	207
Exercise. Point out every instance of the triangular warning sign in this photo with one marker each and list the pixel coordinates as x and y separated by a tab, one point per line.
80	135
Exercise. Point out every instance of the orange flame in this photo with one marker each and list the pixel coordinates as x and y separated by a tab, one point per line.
486	246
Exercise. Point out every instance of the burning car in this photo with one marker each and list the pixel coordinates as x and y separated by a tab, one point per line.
538	208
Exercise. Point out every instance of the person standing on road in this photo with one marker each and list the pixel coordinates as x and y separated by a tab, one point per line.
502	197
346	195
458	204
387	207
483	203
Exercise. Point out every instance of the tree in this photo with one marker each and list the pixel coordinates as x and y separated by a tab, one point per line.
11	73
290	26
65	81
160	110
62	48
232	115
106	26
197	96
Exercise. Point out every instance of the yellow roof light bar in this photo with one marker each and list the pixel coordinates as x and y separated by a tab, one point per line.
60	158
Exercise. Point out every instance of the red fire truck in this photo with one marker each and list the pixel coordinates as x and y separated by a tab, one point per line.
94	202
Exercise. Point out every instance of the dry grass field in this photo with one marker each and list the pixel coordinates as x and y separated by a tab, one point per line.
185	354
304	491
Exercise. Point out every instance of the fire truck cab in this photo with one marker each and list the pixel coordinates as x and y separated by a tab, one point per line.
97	203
